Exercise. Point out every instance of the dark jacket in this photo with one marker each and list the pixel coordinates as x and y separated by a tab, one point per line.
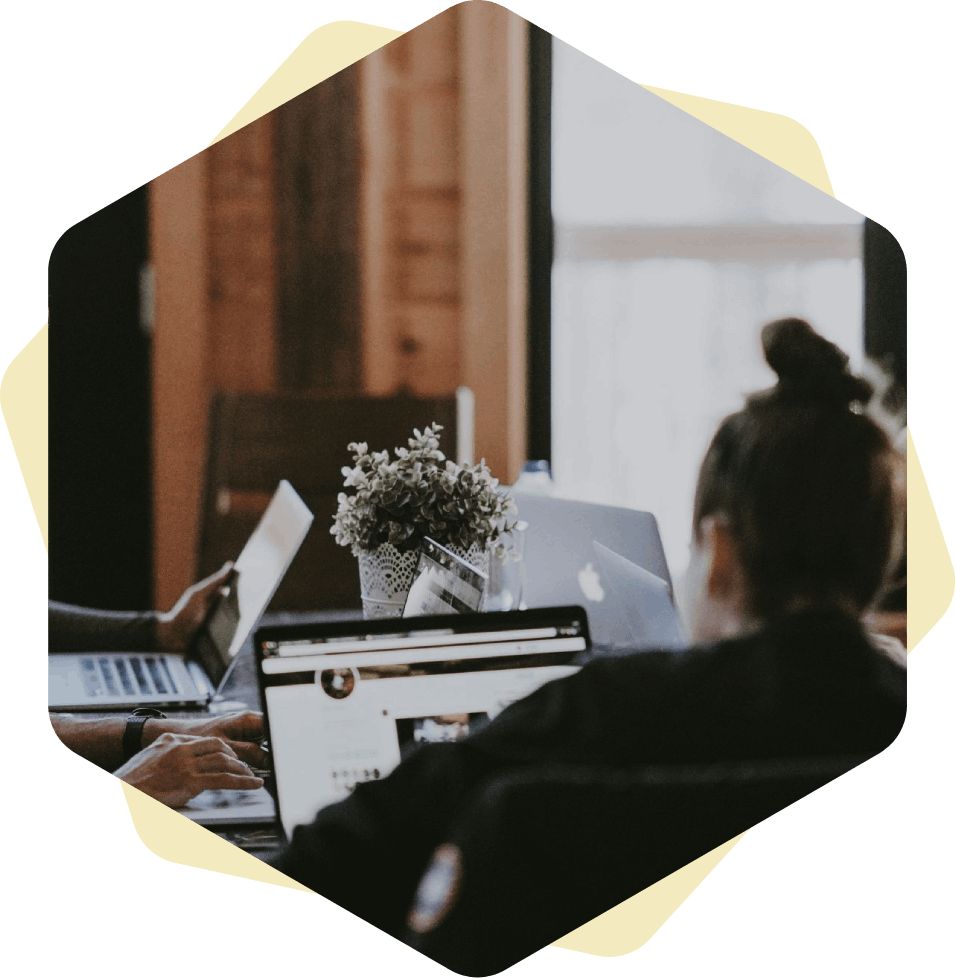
810	686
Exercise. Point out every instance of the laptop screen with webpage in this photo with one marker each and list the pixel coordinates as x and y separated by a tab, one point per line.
346	702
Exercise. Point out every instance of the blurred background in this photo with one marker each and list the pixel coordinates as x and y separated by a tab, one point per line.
673	245
476	204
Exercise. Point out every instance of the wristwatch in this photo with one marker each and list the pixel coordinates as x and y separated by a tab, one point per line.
133	734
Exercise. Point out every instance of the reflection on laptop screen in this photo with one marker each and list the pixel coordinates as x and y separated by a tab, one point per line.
346	708
443	584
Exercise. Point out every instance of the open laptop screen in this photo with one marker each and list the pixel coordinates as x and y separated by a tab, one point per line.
345	703
259	570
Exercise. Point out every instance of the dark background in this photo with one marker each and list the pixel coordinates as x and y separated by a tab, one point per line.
842	879
99	403
884	306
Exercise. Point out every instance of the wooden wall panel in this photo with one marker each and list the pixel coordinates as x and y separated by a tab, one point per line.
443	219
493	343
180	334
411	214
318	173
368	236
241	241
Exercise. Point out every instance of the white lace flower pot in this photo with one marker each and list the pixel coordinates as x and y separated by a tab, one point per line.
386	575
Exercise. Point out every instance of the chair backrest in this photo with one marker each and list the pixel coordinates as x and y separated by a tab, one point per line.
541	852
257	439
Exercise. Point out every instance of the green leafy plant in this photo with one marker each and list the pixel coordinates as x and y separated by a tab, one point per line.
420	493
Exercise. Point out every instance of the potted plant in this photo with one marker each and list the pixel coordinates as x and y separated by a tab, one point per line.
396	503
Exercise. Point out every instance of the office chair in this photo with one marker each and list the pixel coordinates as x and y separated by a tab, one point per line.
543	851
257	439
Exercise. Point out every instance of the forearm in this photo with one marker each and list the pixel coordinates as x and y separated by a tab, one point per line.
76	629
98	739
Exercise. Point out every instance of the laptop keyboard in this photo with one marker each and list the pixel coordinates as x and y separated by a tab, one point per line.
123	674
133	675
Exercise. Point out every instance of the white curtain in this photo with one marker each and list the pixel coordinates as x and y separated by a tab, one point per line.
674	245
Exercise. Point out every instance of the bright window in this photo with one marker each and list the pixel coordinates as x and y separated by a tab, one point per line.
673	245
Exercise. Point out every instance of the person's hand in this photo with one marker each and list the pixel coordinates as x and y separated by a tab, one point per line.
240	731
176	627
891	623
177	767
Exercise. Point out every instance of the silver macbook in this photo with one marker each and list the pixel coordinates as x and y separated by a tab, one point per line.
563	568
108	680
346	702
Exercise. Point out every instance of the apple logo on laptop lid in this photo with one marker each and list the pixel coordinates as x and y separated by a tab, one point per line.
590	582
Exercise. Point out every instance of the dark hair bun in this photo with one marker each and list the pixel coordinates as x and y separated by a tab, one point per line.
810	367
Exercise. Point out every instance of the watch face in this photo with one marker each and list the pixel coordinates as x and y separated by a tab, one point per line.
148	713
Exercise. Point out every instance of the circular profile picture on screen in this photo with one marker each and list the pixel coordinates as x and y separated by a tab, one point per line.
337	683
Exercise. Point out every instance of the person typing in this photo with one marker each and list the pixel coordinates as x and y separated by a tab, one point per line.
169	759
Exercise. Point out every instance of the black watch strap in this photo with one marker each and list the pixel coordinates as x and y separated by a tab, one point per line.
133	734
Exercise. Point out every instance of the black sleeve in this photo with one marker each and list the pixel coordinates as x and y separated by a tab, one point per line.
76	629
895	598
368	852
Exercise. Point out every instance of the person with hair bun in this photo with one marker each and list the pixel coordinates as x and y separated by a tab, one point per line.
796	528
797	495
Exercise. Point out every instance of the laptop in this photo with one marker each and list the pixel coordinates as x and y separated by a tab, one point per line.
345	702
646	602
121	680
562	568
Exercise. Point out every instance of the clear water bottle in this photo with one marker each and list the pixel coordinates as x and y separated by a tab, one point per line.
535	477
506	575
